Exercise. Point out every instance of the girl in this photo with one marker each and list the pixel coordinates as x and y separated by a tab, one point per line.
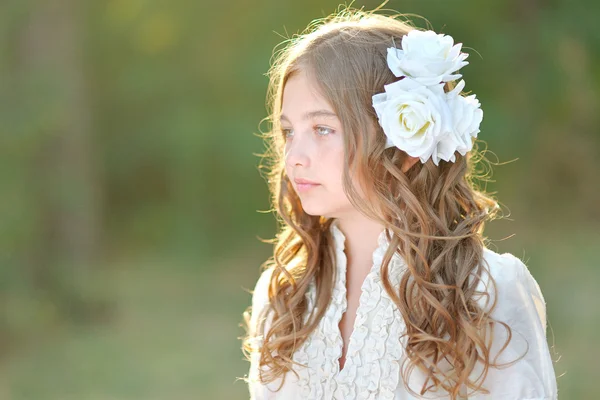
381	285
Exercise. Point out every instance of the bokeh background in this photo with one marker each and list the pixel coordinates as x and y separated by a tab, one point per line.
129	187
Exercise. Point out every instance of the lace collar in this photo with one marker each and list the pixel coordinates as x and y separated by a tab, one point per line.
377	258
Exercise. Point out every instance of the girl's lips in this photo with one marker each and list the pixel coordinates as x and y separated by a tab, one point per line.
302	187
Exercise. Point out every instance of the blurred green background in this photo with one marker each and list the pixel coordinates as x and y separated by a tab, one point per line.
129	185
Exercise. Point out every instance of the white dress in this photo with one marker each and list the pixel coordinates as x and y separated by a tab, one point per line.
375	352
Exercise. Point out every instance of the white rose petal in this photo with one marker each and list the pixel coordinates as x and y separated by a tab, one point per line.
444	150
466	116
427	57
413	117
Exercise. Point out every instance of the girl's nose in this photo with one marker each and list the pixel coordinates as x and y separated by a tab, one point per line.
297	153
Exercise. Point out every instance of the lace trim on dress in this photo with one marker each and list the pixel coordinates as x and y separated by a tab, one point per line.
372	367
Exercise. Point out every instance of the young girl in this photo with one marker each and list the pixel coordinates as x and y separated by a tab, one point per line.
381	285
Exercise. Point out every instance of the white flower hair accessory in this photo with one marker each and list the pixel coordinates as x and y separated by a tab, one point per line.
416	115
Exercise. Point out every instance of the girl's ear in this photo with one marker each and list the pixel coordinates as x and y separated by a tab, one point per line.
409	162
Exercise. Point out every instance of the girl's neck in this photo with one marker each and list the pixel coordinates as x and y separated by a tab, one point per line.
361	235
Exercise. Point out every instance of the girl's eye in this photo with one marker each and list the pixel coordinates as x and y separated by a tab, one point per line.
324	131
321	131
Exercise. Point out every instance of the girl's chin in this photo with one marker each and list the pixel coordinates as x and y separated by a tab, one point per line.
317	210
314	213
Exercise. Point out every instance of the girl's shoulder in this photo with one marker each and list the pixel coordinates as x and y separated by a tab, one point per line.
507	269
505	266
517	291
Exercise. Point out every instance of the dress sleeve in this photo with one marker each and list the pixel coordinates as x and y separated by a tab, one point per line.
521	305
260	299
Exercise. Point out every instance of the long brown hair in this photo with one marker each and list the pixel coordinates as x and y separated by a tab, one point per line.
435	213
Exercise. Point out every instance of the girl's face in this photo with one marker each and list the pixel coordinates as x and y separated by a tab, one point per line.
314	149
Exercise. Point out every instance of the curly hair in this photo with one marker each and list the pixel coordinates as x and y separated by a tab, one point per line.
435	213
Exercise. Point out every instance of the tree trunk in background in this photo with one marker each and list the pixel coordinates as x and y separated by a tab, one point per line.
64	170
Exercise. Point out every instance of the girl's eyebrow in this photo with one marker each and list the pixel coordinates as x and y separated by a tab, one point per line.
313	114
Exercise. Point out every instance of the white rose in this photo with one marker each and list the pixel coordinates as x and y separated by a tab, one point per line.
466	116
427	57
413	117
